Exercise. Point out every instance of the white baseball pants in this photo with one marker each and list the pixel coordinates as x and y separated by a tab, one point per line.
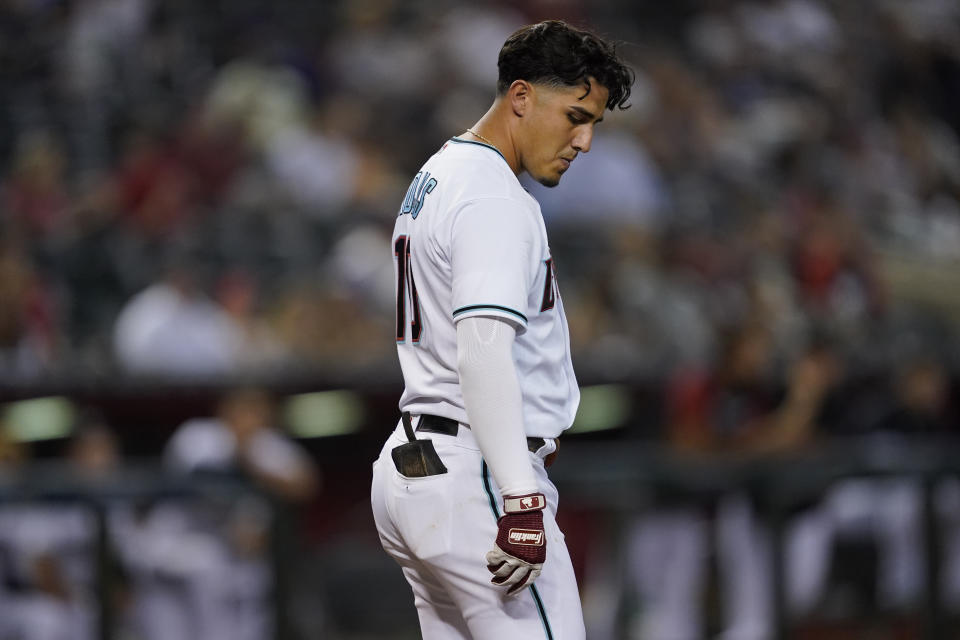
439	529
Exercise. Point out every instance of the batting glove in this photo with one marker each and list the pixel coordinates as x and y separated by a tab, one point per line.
517	558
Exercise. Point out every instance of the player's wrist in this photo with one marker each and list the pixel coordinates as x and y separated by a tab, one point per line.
524	503
518	489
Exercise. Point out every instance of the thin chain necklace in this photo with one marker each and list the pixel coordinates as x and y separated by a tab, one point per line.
482	138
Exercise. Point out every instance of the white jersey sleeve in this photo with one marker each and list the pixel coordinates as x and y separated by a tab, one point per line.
491	245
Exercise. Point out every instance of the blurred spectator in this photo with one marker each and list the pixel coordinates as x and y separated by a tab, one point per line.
238	295
153	187
922	405
197	569
28	324
243	439
471	36
833	272
167	179
94	451
320	170
36	193
735	410
202	571
728	412
261	146
333	325
96	277
11	456
171	328
12	453
885	512
371	56
362	269
49	573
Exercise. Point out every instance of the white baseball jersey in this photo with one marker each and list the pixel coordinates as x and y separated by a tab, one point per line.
470	241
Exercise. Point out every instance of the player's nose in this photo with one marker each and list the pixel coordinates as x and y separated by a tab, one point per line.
583	139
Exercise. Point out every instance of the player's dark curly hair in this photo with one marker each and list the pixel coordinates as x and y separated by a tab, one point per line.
554	53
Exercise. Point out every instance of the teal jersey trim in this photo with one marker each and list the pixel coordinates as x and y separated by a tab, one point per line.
541	610
480	144
497	307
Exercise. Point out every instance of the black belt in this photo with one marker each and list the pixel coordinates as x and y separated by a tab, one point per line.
449	427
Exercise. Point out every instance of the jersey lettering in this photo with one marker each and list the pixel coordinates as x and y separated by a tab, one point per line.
422	185
549	287
401	249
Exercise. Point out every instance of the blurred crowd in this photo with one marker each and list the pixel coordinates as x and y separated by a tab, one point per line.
199	189
186	552
771	233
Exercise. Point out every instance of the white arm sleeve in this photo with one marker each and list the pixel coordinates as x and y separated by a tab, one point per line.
491	393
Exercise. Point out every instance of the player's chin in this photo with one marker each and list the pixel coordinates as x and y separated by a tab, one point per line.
550	180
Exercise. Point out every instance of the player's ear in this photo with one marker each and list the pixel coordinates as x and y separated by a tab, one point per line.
520	95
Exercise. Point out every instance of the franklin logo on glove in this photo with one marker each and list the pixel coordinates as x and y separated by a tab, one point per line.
526	536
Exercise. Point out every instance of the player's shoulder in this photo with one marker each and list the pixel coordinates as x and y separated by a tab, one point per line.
474	170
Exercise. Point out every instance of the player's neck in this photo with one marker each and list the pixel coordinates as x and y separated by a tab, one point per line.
492	130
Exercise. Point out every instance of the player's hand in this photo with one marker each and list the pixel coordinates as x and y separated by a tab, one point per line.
517	558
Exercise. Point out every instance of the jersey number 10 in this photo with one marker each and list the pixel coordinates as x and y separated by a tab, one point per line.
401	249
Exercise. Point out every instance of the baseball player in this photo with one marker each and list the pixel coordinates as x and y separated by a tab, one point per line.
460	492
